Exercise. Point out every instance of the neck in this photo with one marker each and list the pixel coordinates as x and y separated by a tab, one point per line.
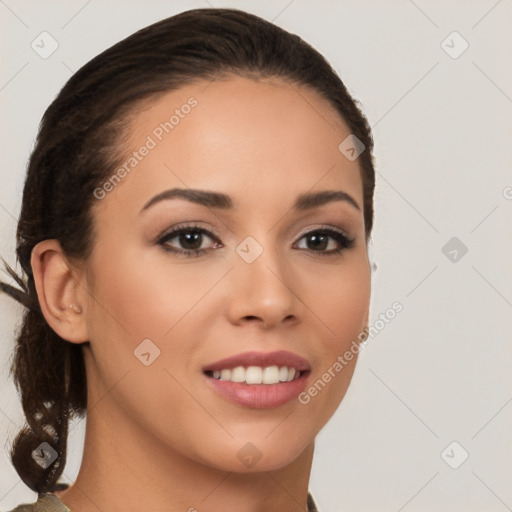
124	468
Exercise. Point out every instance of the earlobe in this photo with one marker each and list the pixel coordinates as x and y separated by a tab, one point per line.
58	291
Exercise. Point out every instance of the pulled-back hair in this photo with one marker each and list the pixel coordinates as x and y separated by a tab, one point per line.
79	144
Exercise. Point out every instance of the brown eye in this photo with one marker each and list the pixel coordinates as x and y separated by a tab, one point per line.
190	238
319	240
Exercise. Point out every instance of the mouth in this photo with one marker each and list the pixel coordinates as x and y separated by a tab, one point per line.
256	374
257	379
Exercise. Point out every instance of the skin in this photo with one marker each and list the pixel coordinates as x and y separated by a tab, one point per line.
157	437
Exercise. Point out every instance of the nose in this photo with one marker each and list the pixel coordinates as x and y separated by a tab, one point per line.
263	293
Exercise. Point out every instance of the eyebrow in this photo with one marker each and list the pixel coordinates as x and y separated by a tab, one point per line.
222	201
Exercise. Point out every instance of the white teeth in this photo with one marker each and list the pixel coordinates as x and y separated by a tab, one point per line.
283	374
271	375
254	375
257	374
224	374
238	374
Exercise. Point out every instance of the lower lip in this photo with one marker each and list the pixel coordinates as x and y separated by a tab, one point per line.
259	396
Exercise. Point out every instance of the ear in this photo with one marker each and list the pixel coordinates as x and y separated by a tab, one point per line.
60	294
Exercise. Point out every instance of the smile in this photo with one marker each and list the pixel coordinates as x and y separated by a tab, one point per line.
256	374
257	379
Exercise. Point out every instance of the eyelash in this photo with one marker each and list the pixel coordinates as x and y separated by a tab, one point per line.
343	241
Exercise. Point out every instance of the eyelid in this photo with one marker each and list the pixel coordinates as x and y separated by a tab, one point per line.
344	240
323	227
175	231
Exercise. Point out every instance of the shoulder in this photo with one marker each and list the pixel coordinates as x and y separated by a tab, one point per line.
45	503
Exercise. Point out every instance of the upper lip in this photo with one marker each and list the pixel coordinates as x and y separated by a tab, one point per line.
263	359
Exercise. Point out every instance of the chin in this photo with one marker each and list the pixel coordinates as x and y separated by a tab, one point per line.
259	454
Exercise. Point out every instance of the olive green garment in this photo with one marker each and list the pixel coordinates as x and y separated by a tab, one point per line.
47	502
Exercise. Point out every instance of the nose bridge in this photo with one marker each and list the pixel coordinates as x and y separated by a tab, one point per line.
263	283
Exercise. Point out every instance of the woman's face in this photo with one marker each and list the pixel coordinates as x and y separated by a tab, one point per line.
263	276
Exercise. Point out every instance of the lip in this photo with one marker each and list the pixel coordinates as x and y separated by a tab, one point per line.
263	359
259	396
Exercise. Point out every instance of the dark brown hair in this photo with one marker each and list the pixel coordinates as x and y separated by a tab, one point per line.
77	147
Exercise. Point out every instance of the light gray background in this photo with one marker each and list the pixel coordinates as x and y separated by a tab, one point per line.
440	371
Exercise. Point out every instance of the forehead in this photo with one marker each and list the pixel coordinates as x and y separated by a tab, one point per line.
257	141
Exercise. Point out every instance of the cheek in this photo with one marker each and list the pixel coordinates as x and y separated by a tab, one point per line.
341	301
142	296
342	305
125	309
